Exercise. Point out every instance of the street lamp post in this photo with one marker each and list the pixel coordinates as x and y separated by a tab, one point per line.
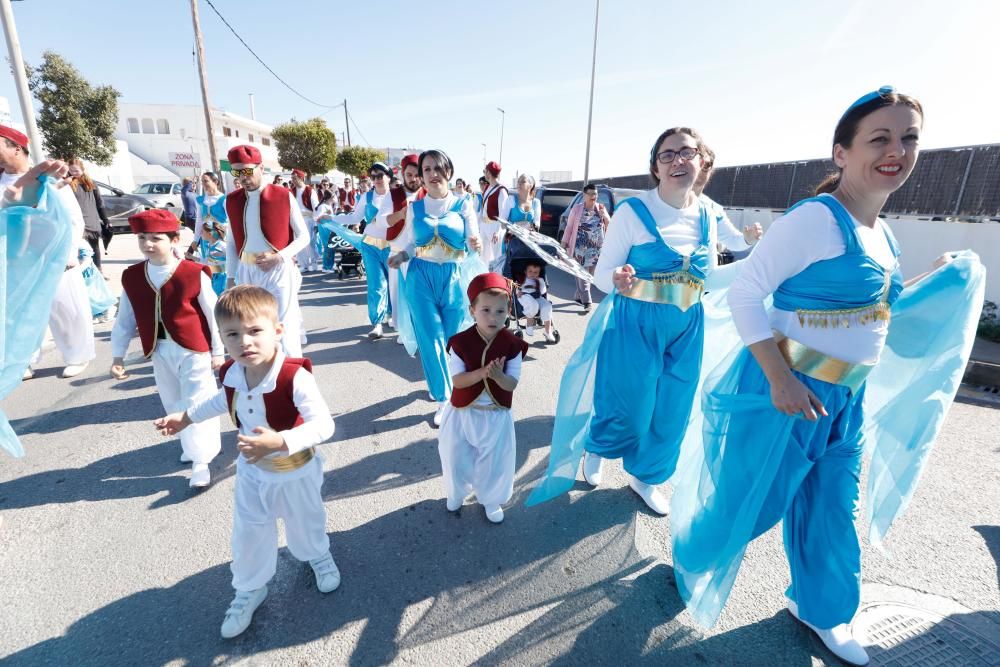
484	153
590	110
503	116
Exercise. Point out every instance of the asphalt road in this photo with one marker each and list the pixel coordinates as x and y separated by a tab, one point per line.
107	557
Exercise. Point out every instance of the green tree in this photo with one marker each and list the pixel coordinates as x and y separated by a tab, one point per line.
76	119
355	160
310	146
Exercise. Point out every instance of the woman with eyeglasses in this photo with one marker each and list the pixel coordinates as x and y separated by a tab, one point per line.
438	232
641	355
785	417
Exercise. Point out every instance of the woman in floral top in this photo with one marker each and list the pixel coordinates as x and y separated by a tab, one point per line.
584	237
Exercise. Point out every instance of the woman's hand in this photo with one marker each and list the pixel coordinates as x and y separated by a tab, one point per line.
118	369
793	398
752	233
475	244
946	258
397	260
24	191
624	278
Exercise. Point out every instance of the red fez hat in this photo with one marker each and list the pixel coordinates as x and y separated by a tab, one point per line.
244	155
493	168
485	281
15	136
299	173
154	221
407	160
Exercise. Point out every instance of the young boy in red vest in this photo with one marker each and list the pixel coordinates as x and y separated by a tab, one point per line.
170	302
281	417
476	441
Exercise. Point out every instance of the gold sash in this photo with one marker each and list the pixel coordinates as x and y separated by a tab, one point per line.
286	463
820	366
680	289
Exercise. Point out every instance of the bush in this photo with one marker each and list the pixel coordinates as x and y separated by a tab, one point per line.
989	323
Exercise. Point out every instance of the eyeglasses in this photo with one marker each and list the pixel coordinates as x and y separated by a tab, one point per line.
376	175
240	173
668	156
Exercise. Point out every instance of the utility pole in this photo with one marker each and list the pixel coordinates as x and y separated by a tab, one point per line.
503	117
347	124
590	110
253	115
21	80
203	75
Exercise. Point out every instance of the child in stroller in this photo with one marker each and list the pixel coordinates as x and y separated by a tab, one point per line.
532	301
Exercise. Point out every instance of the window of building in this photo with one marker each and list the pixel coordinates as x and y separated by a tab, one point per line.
250	138
237	132
266	141
226	132
162	126
147	126
133	125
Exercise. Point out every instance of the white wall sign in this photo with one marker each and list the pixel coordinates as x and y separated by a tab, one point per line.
185	160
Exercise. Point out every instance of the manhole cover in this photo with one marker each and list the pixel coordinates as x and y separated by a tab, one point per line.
900	635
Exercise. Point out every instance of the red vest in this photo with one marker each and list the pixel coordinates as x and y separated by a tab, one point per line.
280	412
175	305
399	203
307	197
473	350
491	202
275	216
348	198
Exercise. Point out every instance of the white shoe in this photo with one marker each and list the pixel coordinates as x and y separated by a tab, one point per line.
327	574
376	332
200	476
651	494
453	504
839	639
73	370
399	340
439	413
241	610
592	468
529	330
549	338
27	374
184	457
390	325
494	513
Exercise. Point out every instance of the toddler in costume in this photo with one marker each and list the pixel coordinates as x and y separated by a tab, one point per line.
476	441
533	297
281	417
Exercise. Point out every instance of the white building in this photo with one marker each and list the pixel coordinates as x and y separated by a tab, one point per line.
174	136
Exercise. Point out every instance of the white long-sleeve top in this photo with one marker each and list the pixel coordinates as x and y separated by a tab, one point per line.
438	207
125	326
317	426
255	241
807	235
313	200
729	236
375	228
679	227
536	211
501	203
456	366
68	199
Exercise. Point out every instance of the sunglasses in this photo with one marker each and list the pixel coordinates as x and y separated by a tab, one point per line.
376	175
240	173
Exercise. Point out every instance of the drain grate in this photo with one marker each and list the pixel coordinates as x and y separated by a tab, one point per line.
900	635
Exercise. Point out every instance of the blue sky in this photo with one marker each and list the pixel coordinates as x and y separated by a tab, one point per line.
762	81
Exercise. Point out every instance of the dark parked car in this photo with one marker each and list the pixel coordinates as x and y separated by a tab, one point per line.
606	195
119	205
554	201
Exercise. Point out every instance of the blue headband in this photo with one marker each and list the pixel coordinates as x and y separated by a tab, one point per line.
865	99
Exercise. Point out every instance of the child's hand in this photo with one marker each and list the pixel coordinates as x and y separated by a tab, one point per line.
256	447
118	369
494	369
217	362
172	424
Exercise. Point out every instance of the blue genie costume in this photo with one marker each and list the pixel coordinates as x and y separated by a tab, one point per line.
434	305
627	391
747	466
213	254
34	243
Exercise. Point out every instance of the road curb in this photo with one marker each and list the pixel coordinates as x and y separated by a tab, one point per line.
982	373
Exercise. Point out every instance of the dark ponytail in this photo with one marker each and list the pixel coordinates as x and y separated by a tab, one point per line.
827	185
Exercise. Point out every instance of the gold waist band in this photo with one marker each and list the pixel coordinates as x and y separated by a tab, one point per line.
215	268
820	366
681	293
381	244
286	463
440	252
484	406
251	257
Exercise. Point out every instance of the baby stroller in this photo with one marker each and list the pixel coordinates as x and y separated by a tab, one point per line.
346	258
517	257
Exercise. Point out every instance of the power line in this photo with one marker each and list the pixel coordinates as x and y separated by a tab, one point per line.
363	137
273	73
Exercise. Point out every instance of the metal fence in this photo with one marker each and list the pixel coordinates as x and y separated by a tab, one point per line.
961	182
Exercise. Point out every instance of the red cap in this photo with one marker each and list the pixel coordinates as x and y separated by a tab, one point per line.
299	173
485	281
154	221
17	137
244	155
493	168
407	160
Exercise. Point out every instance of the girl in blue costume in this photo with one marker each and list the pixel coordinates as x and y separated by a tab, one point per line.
783	416
210	215
647	336
439	231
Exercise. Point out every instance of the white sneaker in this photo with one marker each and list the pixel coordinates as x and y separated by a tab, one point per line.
73	370
327	574
200	476
453	504
529	330
390	324
399	340
439	413
549	338
651	494
241	610
839	639
376	332
27	374
184	457
494	513
592	468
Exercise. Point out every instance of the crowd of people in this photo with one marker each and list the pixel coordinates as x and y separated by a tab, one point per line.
437	265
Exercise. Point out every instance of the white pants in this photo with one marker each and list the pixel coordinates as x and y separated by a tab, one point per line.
491	252
183	378
307	257
394	287
70	320
262	498
477	449
283	282
533	307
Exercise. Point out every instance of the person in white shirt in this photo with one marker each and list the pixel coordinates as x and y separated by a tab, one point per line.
494	201
728	231
306	198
